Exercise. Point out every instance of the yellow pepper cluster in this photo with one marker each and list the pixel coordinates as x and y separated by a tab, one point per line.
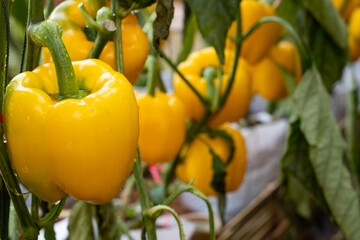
99	132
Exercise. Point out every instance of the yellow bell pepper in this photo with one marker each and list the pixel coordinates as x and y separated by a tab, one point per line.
197	164
256	46
134	41
83	147
238	101
268	80
162	126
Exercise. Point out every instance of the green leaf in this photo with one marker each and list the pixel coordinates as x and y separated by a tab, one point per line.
189	36
80	221
219	166
326	151
164	15
214	18
296	163
329	18
352	128
298	195
157	194
289	10
218	180
329	57
227	137
108	222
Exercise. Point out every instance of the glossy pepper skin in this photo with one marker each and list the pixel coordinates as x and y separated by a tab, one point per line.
197	164
256	46
354	34
268	80
82	147
162	126
134	41
238	100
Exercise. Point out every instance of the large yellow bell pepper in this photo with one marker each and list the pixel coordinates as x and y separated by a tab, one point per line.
197	164
239	98
162	126
83	147
134	41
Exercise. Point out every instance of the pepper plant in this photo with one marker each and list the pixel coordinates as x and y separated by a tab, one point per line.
72	93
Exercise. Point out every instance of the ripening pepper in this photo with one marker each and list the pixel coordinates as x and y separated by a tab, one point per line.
197	163
268	80
134	41
346	7
162	126
257	45
238	101
83	147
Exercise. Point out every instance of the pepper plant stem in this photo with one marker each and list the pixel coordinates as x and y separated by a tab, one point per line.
99	45
173	66
32	51
48	34
118	39
238	44
35	202
103	35
29	230
144	199
151	74
216	98
49	8
222	206
4	210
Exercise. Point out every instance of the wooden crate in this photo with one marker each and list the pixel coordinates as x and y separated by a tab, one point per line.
263	218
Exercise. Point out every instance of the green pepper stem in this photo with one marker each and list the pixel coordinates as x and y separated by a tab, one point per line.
209	74
222	206
152	214
196	192
35	202
118	39
53	214
49	8
99	45
32	51
48	34
119	15
144	199
173	66
29	229
215	104
238	43
151	74
103	35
